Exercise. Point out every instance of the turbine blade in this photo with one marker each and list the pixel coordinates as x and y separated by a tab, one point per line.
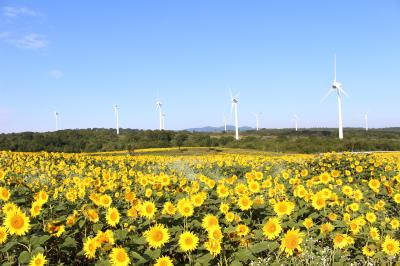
343	91
326	95
334	68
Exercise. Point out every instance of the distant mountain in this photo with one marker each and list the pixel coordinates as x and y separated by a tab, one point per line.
218	129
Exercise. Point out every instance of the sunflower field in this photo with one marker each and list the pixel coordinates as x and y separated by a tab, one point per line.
221	209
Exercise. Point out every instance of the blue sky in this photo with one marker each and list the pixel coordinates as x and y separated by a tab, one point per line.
82	57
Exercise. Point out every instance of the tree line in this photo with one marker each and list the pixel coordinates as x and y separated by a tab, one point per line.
276	140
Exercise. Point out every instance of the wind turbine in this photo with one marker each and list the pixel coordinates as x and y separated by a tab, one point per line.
295	119
158	107
337	87
116	108
163	121
257	115
225	122
56	114
234	101
366	121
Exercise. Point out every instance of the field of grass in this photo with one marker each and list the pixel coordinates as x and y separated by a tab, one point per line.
199	206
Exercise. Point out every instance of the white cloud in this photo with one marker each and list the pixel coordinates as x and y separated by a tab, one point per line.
31	41
56	73
13	12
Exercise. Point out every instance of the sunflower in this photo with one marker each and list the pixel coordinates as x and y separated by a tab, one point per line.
284	207
340	241
148	209
157	235
326	228
213	246
291	241
164	261
9	207
17	222
367	251
254	186
169	208
119	257
89	247
308	223
374	233
371	217
188	241
185	207
112	216
242	230
224	208
374	184
395	223
229	216
390	246
209	221
38	260
4	194
105	201
215	233
198	199
245	203
325	178
92	215
318	202
396	198
35	209
3	234
42	197
105	237
272	228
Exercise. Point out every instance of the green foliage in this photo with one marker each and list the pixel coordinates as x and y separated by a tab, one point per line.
274	140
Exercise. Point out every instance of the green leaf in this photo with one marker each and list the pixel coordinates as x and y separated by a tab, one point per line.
138	257
24	257
36	241
103	263
205	259
81	223
121	234
154	254
139	241
273	245
244	255
8	246
69	242
97	227
38	250
260	247
236	263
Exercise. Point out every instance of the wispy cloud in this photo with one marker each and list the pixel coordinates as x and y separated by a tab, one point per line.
31	41
56	73
13	12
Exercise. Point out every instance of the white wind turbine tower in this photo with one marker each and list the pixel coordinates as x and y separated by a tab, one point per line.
225	122
158	107
366	121
337	87
56	114
234	101
163	121
116	108
296	120
257	116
